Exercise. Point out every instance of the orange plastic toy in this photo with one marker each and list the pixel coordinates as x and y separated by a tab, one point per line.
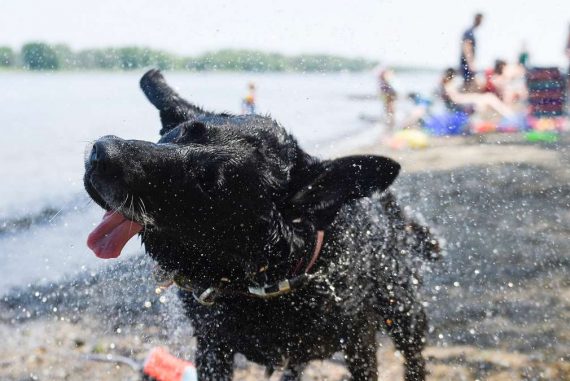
160	365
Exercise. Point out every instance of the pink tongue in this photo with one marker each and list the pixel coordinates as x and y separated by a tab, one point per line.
111	235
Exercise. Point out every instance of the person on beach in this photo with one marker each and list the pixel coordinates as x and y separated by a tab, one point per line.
457	101
467	58
506	81
495	79
248	103
419	111
567	51
524	56
388	95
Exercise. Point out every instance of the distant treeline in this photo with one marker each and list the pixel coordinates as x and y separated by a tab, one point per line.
42	56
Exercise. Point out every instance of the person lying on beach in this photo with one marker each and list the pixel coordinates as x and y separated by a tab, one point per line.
495	79
506	81
468	102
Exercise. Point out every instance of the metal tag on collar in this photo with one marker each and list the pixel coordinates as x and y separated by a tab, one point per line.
280	288
207	297
283	287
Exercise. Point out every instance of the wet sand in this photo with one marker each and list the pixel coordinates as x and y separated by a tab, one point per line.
498	303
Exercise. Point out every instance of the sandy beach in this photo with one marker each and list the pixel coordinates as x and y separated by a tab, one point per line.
498	303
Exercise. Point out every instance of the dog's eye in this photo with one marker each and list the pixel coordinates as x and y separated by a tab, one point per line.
194	132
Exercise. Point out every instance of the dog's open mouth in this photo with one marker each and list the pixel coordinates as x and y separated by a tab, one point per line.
111	235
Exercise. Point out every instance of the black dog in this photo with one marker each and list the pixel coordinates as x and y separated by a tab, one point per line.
279	256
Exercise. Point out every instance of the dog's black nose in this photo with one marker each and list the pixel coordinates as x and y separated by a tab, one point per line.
105	154
94	157
98	157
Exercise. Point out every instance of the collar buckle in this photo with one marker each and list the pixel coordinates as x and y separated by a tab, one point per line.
206	298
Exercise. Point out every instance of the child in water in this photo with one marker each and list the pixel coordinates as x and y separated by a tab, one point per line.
248	103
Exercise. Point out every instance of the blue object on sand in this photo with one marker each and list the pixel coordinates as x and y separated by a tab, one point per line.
515	123
449	123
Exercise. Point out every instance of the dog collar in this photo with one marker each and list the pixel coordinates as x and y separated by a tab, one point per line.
289	284
284	286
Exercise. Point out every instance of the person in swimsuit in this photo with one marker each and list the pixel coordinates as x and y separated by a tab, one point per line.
495	79
457	101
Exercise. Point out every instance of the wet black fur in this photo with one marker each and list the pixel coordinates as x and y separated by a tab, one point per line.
222	196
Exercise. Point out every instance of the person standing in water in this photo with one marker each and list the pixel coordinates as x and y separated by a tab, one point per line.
467	59
248	103
388	95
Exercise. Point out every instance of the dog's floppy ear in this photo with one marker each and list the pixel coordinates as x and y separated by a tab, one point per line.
343	180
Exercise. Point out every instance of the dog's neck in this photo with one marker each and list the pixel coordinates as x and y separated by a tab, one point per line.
208	295
246	259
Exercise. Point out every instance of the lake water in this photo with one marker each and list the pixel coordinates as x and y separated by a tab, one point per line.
48	119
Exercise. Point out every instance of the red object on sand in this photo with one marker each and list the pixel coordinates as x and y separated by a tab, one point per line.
483	127
162	366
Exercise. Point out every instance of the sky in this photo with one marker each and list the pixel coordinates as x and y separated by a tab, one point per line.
394	32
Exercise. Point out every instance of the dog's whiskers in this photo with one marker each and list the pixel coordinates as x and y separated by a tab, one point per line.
132	212
134	209
118	209
146	219
131	208
89	201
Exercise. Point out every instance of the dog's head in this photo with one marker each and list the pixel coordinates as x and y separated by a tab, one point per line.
219	195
